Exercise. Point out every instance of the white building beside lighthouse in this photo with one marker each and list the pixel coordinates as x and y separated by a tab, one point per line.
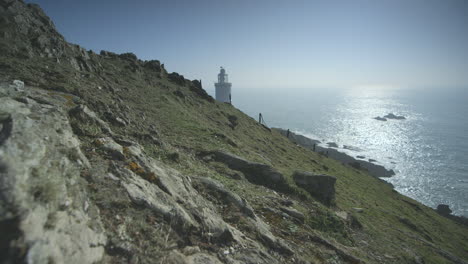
223	87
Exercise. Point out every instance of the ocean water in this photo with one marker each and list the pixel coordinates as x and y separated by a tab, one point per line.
428	151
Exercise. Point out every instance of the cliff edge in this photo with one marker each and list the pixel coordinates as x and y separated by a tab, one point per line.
106	158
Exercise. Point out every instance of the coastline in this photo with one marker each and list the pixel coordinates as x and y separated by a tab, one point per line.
376	170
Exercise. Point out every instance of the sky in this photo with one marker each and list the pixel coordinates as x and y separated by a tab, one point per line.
279	44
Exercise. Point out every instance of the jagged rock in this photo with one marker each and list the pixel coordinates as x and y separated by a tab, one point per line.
111	147
196	87
257	173
108	54
176	78
256	223
321	187
29	23
128	56
88	123
154	65
332	144
44	210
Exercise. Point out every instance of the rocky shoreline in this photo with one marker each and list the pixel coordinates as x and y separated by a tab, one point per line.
375	170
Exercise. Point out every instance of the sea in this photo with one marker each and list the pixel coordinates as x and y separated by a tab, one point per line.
428	150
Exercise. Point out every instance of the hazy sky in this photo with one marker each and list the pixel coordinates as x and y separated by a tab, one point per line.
279	43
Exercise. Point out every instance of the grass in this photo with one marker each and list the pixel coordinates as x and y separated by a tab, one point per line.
188	124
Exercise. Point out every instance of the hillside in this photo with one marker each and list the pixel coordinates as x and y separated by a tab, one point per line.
105	158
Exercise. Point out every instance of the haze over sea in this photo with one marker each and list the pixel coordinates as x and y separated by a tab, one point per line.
428	151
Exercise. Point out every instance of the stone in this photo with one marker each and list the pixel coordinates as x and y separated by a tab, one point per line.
18	85
393	116
294	213
128	56
83	115
380	118
227	195
154	65
321	187
34	197
115	120
332	145
342	214
256	173
255	223
111	147
444	210
190	250
176	78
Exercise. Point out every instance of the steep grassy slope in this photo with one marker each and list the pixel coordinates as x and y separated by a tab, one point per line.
175	120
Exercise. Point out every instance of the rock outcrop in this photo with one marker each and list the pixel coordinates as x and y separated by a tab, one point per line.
256	173
380	118
393	116
98	164
45	211
47	208
321	187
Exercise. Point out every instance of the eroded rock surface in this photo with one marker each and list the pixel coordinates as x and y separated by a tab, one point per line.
321	187
256	173
43	199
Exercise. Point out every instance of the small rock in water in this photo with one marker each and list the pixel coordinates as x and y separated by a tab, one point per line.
380	118
332	144
393	116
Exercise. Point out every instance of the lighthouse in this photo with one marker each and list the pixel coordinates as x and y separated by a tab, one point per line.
223	87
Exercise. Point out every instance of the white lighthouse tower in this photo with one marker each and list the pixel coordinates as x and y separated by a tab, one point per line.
223	87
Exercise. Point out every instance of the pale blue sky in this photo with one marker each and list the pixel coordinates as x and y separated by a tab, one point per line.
279	43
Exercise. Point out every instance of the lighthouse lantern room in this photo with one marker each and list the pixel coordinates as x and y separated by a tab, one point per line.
223	87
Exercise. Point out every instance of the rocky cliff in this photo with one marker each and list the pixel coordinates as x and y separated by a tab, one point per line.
105	158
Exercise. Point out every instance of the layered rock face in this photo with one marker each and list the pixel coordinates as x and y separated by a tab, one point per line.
45	209
44	206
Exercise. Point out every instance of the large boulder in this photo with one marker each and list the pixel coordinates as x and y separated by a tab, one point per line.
320	186
443	209
256	173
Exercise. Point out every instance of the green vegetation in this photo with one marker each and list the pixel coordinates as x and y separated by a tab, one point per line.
389	228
